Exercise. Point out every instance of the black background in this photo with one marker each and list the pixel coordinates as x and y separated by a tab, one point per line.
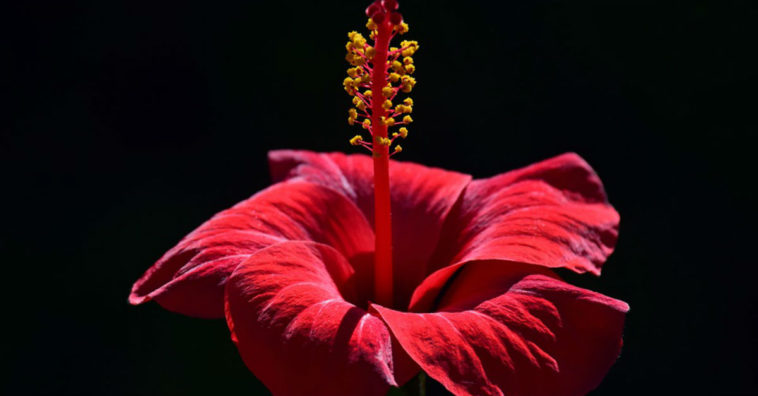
128	123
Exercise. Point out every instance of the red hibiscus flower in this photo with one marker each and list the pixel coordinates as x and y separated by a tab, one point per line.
477	306
333	283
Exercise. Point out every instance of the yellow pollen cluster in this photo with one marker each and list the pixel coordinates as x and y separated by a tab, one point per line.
352	116
402	28
356	140
409	47
356	49
388	121
360	77
407	83
403	109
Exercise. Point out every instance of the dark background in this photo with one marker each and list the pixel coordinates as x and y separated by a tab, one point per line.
128	123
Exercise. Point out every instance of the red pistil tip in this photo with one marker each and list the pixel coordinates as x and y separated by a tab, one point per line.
377	67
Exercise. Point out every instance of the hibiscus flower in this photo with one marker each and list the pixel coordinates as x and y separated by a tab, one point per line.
333	283
478	307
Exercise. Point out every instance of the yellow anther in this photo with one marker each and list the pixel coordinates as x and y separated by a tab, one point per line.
409	43
351	121
394	134
371	25
398	148
393	49
408	101
356	140
358	40
384	141
403	108
407	60
407	83
365	78
397	67
372	35
358	102
403	132
410	69
366	124
370	52
351	35
353	113
352	72
402	28
388	92
354	60
347	81
387	104
389	121
368	93
349	46
394	77
410	47
407	119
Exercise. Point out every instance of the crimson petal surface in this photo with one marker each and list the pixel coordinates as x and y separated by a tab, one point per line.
421	199
286	309
514	329
553	213
190	278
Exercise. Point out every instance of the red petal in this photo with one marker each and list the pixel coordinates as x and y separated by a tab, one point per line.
513	329
296	332
421	199
189	278
553	213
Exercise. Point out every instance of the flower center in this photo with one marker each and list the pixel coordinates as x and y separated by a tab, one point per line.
378	70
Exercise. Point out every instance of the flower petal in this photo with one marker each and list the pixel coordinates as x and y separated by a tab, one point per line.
553	213
190	278
294	329
421	199
513	329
